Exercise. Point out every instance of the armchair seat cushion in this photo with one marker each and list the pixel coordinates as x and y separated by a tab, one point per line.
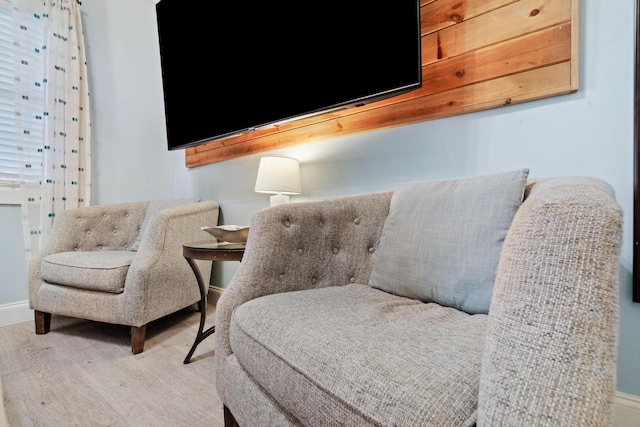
355	355
103	271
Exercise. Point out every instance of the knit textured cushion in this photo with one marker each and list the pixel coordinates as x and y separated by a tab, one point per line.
353	355
103	271
442	240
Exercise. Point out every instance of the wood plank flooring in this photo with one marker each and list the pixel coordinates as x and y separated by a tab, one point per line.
83	373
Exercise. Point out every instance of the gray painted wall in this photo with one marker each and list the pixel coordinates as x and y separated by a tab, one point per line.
586	133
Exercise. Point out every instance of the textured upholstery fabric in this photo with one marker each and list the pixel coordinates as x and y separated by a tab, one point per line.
550	357
103	271
304	246
250	403
362	357
550	342
442	240
273	263
159	280
153	207
107	228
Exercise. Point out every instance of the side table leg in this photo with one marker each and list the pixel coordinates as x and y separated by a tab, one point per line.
202	305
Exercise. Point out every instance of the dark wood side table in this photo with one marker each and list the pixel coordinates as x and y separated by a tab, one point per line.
208	251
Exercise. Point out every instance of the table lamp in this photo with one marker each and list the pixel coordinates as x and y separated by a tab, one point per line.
279	176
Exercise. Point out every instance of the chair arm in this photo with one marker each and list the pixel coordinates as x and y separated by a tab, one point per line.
550	355
303	246
159	277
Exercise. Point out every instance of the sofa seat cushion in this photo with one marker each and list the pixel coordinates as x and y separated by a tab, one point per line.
103	271
355	355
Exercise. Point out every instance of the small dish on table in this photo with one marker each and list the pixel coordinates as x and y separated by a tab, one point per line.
229	233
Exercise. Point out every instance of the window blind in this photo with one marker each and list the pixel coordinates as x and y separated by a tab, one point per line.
21	97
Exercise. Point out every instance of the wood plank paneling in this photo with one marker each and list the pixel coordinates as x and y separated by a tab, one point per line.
533	50
493	53
514	20
445	13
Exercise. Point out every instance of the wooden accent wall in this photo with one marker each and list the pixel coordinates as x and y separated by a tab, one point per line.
476	55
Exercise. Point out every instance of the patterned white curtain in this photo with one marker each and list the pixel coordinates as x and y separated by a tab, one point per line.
65	152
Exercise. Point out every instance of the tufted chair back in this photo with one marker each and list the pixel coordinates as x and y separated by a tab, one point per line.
109	228
350	238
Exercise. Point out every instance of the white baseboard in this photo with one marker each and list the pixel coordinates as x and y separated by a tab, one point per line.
15	312
627	410
214	294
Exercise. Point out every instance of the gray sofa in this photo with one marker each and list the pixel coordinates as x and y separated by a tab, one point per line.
489	301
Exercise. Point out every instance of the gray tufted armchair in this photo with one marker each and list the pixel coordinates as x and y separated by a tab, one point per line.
87	268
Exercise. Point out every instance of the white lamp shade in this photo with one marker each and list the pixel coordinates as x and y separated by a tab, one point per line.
278	175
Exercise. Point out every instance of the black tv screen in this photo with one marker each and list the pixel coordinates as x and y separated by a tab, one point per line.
230	67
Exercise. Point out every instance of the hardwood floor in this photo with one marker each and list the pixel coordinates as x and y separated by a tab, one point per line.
82	373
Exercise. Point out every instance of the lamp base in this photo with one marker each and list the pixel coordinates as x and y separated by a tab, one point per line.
279	199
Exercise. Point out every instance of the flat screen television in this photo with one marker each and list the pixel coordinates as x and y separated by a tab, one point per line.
231	67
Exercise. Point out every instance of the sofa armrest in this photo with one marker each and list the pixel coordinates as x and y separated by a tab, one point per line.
159	270
550	355
303	246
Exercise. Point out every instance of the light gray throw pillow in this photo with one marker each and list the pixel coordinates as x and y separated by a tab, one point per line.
442	240
157	206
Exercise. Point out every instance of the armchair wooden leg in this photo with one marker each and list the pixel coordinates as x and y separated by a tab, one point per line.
229	420
43	322
137	338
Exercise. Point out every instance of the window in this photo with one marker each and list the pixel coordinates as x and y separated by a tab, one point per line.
21	97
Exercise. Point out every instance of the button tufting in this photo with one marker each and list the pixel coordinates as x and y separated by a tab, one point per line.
281	277
335	250
357	221
352	280
115	231
287	224
88	231
313	280
321	224
371	250
300	251
75	249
